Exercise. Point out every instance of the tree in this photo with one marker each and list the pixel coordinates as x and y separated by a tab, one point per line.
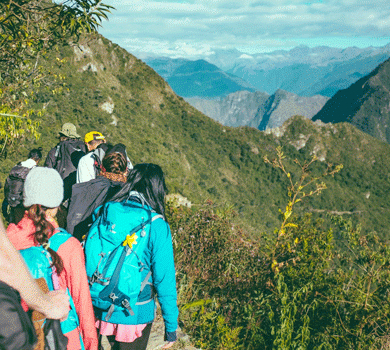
28	29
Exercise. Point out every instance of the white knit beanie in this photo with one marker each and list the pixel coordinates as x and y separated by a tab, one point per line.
43	186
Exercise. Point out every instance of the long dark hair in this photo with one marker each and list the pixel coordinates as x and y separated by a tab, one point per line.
43	230
148	179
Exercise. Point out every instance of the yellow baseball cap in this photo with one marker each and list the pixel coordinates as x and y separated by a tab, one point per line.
93	135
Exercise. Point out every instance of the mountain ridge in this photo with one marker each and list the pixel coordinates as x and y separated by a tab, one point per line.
365	104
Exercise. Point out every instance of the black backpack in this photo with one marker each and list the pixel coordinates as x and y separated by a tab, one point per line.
16	329
67	155
13	189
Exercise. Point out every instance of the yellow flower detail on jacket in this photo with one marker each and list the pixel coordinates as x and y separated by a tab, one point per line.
130	240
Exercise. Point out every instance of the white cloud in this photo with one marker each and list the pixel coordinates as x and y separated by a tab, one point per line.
194	27
246	57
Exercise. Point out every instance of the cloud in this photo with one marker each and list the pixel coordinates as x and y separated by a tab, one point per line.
194	27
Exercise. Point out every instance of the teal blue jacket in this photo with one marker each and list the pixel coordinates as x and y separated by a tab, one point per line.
158	258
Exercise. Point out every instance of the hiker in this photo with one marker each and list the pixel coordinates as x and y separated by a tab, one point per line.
65	156
87	196
125	303
90	165
38	230
13	209
16	330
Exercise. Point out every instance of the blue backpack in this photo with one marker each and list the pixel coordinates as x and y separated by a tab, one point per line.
39	260
113	251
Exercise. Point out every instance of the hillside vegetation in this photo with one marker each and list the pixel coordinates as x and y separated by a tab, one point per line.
103	87
311	286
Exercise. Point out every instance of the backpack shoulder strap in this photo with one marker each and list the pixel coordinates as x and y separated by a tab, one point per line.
157	216
98	155
57	156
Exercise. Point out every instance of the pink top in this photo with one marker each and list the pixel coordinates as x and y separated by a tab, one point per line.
73	276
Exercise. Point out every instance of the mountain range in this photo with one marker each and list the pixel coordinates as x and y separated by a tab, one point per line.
304	71
258	109
105	88
293	81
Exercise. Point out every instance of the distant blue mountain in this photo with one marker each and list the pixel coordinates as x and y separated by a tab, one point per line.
197	78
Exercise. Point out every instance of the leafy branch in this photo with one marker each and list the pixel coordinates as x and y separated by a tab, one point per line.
28	29
298	189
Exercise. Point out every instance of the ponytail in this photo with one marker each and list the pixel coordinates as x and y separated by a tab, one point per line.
43	230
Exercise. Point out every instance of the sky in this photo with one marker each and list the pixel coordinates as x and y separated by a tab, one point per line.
196	28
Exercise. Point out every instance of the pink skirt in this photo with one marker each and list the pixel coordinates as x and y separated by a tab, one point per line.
125	333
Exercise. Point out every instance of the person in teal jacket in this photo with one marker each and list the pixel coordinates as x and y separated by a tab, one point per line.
146	186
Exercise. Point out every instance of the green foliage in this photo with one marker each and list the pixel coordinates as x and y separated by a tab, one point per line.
28	28
316	284
297	189
283	328
210	329
210	255
15	127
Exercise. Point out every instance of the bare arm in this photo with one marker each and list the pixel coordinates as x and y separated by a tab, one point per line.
15	273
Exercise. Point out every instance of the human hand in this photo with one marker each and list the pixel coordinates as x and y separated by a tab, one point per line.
57	305
168	345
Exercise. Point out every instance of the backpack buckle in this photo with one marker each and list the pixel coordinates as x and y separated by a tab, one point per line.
98	278
126	305
113	297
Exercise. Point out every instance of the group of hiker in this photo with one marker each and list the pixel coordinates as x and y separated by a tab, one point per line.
92	225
